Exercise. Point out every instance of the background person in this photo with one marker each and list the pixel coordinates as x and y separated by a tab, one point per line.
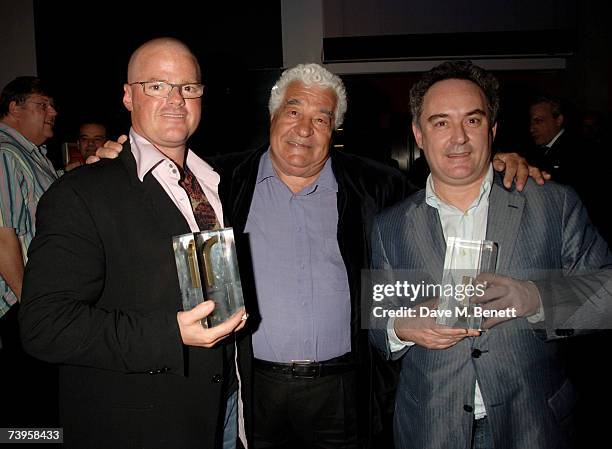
27	117
92	136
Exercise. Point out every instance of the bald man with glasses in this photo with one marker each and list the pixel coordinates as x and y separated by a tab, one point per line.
102	297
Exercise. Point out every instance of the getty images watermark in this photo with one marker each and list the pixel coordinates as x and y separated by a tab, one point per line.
410	294
402	291
461	299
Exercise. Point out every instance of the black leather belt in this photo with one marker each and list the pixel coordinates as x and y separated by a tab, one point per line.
308	369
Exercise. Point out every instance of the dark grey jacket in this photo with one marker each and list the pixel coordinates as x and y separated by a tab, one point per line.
526	392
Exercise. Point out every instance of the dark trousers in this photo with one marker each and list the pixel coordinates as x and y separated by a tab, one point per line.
305	413
481	434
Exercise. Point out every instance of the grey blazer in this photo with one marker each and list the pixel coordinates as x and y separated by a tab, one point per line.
526	392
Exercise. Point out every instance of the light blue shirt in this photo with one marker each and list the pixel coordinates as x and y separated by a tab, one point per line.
470	225
301	280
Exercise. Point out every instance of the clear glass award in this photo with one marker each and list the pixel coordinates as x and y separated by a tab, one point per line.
464	261
208	269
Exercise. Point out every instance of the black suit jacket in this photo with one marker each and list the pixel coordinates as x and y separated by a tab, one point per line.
364	188
100	298
561	160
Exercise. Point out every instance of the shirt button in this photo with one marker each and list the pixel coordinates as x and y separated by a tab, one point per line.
476	353
174	172
468	408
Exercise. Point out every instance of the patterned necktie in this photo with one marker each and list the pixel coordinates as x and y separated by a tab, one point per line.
202	210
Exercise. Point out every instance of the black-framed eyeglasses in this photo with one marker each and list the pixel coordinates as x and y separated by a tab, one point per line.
44	105
162	89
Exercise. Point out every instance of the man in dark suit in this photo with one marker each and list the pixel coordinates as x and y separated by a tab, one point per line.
555	149
506	387
101	294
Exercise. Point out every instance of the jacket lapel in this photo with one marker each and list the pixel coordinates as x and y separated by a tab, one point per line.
430	241
243	179
353	215
504	219
163	212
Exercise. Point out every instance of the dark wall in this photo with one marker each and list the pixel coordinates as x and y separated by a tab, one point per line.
84	52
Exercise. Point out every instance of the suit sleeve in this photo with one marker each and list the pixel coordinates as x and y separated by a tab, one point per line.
60	319
581	299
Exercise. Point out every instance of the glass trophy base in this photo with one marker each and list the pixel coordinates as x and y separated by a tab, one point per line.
207	268
463	262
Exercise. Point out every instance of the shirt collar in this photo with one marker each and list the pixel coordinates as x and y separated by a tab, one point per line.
148	157
20	138
552	142
146	154
202	171
434	201
265	170
326	179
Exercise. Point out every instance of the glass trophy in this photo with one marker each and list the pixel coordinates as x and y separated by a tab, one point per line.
208	269
464	261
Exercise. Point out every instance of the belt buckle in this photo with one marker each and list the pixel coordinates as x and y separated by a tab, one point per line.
307	369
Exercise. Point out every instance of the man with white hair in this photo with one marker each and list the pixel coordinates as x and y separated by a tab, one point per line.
306	210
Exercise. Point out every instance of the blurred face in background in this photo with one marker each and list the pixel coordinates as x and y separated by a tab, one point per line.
91	137
543	125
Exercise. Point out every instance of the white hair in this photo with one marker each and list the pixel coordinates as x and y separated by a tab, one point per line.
310	74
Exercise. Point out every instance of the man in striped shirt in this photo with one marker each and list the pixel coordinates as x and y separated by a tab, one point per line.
27	116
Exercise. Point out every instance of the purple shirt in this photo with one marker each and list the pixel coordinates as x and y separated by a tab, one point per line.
302	285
